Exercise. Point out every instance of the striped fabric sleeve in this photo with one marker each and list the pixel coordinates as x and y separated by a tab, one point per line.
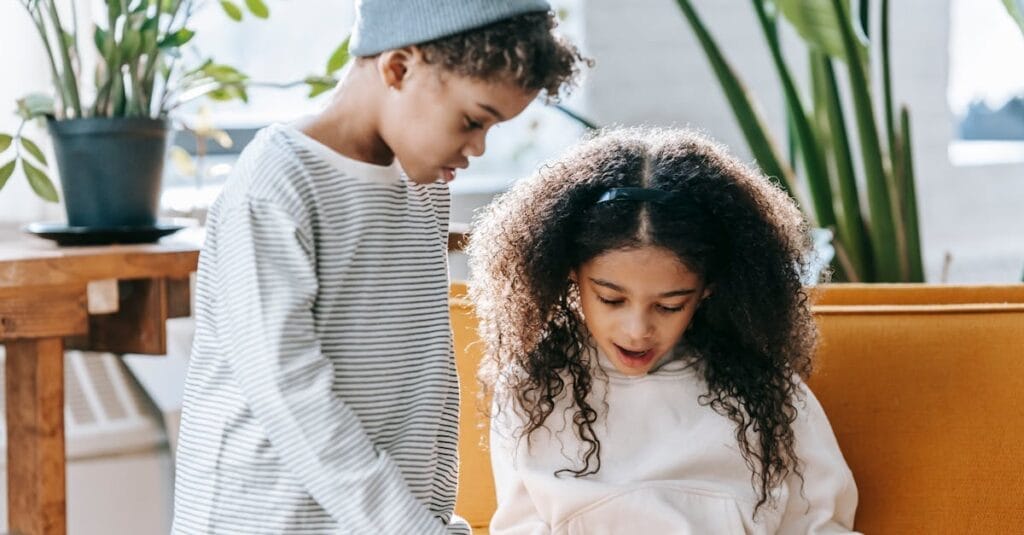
267	283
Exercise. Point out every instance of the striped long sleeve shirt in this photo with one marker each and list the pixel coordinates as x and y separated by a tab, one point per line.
321	395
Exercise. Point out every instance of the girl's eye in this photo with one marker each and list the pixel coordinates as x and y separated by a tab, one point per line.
473	125
671	309
612	302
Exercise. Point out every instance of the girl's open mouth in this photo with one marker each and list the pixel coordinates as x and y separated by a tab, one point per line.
635	358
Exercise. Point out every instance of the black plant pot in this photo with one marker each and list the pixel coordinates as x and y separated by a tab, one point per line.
110	169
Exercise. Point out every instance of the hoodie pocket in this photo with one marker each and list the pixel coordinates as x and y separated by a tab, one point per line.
658	509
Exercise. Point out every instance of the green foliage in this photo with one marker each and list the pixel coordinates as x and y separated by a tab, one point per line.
25	151
1016	10
876	240
6	171
33	149
258	8
319	85
338	58
140	72
818	24
231	9
39	182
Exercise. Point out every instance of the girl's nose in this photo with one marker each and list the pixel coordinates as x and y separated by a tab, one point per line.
639	329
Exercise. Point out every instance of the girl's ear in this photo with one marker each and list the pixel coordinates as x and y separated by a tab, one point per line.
573	278
394	65
708	290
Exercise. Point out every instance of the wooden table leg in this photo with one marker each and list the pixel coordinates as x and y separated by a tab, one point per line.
35	436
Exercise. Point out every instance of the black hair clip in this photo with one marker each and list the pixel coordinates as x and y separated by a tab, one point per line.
657	196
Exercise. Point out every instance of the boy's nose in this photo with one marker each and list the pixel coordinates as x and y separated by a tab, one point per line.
475	147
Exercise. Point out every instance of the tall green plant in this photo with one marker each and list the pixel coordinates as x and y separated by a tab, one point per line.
876	240
1016	10
142	70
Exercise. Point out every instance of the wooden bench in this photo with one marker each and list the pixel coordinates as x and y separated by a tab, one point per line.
924	387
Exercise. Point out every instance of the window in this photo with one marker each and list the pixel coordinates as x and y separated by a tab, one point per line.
986	88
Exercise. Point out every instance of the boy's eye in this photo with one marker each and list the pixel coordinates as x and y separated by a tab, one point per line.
472	124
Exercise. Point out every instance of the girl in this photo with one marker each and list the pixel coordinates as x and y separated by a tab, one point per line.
647	338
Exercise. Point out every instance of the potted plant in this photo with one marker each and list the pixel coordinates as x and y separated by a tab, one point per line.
110	149
876	241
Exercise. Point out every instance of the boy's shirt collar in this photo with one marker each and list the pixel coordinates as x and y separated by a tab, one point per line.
362	170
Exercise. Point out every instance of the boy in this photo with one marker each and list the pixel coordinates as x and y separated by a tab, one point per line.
322	395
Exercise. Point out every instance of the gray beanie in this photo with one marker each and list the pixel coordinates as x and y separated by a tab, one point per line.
389	24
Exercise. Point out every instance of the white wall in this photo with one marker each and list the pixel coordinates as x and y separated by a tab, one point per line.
651	70
24	70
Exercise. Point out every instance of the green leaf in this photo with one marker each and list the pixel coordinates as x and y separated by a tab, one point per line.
809	148
749	119
5	142
35	105
258	8
818	25
33	149
6	171
909	194
229	92
224	74
151	24
318	88
149	42
338	58
888	109
104	43
232	10
177	38
851	229
130	45
320	84
1016	10
69	39
881	208
99	37
39	182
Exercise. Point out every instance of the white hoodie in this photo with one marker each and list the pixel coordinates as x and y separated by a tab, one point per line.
669	465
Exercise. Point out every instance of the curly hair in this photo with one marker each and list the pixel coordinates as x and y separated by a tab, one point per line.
521	49
752	338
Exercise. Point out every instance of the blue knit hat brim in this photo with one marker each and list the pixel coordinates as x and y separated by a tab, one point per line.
383	25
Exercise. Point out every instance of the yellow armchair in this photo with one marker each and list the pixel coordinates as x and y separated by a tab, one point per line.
924	386
475	501
926	402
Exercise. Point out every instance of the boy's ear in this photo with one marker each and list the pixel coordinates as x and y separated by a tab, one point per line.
394	65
